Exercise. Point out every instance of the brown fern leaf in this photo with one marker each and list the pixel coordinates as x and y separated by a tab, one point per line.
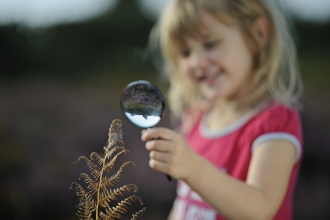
86	208
115	131
115	135
111	195
100	158
115	178
139	214
103	216
128	201
86	205
108	166
115	143
95	170
91	184
79	189
109	154
99	186
121	208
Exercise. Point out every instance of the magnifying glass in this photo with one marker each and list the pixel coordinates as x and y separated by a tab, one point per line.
143	104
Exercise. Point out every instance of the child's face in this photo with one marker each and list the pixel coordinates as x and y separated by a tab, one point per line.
219	61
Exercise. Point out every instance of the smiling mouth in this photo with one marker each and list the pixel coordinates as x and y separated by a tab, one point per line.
210	79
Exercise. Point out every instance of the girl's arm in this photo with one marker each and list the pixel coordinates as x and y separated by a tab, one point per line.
171	215
257	198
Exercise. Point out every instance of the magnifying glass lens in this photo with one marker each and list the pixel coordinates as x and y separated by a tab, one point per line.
143	104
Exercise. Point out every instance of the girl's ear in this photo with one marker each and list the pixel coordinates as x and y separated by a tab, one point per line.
261	27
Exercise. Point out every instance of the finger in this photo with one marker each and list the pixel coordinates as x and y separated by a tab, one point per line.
158	165
158	145
158	133
159	156
143	131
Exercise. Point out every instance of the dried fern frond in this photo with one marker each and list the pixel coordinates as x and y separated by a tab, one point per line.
108	166
98	185
121	208
111	195
115	178
86	205
139	214
92	185
95	169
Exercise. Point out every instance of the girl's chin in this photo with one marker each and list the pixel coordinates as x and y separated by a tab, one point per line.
211	91
213	95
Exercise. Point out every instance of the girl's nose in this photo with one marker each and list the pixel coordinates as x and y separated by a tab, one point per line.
198	61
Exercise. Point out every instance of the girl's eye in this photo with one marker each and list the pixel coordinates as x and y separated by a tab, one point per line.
185	53
210	44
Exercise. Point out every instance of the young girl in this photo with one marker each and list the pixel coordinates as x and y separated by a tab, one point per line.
234	82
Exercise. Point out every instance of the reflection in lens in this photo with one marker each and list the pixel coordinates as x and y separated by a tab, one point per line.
141	121
143	104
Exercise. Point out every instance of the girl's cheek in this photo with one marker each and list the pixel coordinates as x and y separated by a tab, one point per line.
187	72
190	75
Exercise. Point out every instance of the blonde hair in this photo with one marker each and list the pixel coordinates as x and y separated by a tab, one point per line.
276	72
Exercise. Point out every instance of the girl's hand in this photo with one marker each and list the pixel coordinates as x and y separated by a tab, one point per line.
169	152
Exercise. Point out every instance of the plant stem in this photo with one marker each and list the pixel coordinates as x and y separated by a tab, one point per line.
98	191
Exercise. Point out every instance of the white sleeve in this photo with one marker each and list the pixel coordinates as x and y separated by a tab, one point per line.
278	136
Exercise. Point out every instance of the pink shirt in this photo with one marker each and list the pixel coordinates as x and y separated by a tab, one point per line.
231	149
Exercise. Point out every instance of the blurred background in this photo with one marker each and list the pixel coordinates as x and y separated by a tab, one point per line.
63	66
